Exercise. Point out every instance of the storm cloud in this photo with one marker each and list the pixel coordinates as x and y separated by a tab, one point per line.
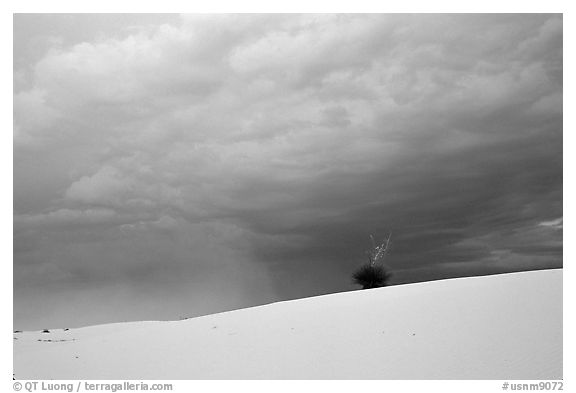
169	166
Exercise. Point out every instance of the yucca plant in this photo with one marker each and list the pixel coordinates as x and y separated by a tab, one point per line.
370	276
374	274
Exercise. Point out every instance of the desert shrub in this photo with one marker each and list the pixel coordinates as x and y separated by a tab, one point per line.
374	274
371	276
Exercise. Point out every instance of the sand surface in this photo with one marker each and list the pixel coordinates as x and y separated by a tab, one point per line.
505	326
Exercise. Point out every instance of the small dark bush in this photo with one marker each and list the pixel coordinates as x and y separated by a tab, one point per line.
371	276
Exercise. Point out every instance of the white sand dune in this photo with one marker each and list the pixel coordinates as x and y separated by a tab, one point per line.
506	326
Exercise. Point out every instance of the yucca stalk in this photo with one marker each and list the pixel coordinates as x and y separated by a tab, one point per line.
378	252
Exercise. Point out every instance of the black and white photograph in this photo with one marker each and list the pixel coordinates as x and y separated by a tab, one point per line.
288	196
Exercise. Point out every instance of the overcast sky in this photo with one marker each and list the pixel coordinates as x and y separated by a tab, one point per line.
170	166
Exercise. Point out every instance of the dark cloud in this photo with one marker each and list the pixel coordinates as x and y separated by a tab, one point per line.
203	163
